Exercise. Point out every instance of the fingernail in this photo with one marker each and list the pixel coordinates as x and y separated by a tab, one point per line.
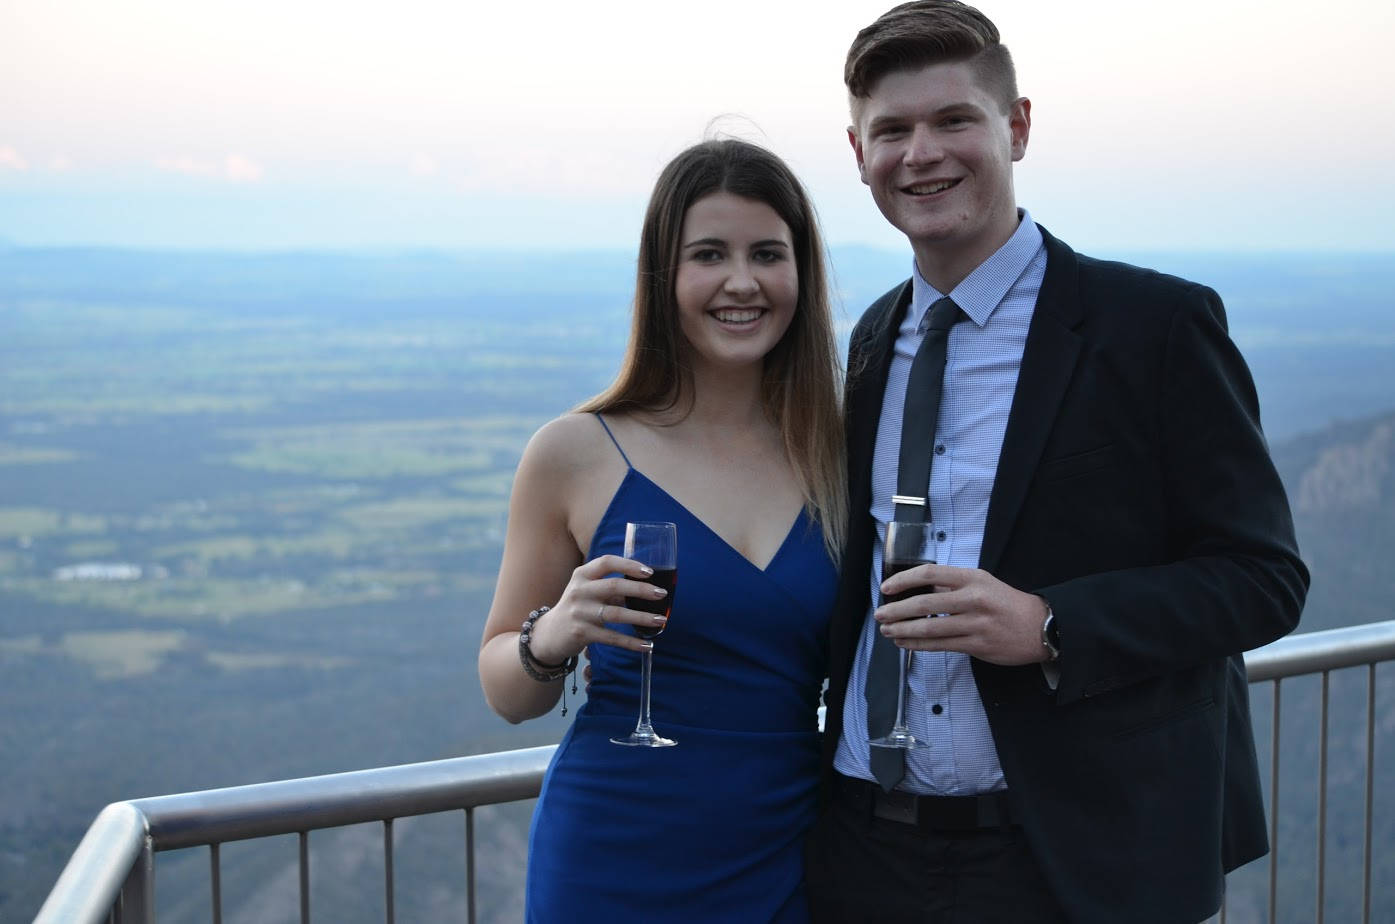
646	646
648	571
660	592
660	620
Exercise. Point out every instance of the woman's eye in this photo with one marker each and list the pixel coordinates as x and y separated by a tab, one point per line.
768	256
707	255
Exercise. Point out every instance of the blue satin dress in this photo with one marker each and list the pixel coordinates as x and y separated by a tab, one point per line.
713	828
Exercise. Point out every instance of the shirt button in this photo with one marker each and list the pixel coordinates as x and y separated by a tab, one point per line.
941	536
937	709
939	449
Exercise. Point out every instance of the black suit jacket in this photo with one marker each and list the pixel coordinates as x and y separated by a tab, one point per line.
1134	492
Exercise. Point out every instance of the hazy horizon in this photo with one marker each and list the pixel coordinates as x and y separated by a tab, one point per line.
262	125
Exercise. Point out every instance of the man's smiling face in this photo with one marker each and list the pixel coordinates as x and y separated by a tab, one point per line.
937	150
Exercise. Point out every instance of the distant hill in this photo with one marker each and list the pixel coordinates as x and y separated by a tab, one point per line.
306	458
1341	484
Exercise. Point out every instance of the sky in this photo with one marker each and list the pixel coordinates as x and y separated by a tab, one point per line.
295	124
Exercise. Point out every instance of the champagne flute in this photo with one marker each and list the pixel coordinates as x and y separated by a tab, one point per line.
655	545
908	544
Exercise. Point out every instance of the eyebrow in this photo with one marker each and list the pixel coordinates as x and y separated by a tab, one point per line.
718	242
897	118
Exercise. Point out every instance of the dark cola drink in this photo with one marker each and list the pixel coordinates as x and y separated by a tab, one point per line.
667	578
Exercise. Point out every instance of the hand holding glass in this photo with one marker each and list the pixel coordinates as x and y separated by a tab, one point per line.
908	544
655	545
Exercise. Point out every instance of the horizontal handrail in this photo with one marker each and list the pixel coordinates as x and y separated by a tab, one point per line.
1328	650
215	816
90	884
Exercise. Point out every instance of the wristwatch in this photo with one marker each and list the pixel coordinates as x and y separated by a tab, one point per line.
1050	634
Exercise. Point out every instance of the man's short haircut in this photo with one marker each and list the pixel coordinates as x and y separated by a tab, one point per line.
924	32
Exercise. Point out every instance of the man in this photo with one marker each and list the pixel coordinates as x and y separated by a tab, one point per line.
1110	532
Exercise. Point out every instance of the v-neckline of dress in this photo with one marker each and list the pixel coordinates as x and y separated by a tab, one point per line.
784	543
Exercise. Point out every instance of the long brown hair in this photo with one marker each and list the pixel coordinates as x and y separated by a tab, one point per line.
799	387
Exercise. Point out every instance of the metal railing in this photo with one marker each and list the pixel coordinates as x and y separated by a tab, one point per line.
111	875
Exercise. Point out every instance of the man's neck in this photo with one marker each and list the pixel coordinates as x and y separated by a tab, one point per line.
945	268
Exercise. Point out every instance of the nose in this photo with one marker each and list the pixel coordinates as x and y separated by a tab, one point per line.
923	147
741	280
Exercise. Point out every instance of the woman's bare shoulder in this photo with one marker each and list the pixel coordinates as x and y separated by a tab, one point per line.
568	448
567	442
572	468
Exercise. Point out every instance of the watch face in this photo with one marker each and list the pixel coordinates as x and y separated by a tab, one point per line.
1050	635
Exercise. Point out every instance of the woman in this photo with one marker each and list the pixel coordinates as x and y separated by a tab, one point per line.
724	420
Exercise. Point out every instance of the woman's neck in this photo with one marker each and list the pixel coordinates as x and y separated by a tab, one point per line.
725	399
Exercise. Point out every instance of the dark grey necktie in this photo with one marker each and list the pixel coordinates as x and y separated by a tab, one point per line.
918	419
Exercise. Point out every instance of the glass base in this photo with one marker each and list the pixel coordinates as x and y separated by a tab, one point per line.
650	739
898	738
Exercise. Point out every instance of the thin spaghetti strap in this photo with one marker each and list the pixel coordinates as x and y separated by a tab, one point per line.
615	441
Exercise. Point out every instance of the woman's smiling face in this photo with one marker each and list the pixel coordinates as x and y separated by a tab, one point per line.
737	283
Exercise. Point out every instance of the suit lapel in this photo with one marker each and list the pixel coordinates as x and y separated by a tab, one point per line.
869	362
1048	359
867	386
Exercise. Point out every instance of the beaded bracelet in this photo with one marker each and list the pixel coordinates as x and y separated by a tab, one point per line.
540	671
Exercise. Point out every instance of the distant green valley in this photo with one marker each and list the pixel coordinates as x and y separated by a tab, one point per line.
251	507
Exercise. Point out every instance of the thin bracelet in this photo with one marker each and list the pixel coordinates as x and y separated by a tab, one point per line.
540	671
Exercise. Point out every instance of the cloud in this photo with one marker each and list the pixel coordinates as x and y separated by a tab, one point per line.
187	165
61	163
234	168
10	159
240	169
423	165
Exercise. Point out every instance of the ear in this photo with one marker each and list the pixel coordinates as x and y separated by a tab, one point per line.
1020	125
857	153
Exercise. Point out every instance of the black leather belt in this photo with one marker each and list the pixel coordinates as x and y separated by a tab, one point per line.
939	813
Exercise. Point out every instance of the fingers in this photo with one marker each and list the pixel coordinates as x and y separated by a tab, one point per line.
930	601
619	613
596	598
611	564
923	576
617	590
983	617
945	629
621	640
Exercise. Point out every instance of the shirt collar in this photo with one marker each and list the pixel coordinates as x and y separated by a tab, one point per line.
982	290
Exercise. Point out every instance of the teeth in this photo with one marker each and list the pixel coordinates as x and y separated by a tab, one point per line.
736	315
928	188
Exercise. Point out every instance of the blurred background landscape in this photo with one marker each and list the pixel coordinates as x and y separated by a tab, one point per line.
285	288
251	509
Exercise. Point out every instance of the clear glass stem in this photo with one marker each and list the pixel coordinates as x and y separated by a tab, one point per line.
900	725
644	728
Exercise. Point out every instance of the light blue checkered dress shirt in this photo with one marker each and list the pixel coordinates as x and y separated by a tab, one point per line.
983	359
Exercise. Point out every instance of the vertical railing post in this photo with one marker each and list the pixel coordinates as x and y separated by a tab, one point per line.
470	863
137	897
388	896
1370	790
215	877
1274	809
1322	802
304	877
